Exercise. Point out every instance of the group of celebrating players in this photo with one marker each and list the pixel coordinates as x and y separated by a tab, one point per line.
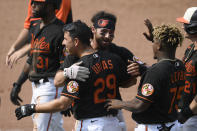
77	69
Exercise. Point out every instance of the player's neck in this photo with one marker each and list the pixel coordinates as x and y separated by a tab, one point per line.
86	51
166	56
48	20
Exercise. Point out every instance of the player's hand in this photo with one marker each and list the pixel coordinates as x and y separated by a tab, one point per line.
77	72
15	99
13	59
184	115
149	25
10	52
113	104
25	110
68	112
133	68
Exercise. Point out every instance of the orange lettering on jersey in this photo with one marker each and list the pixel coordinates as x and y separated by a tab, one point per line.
95	69
39	45
110	64
187	87
177	76
104	65
99	67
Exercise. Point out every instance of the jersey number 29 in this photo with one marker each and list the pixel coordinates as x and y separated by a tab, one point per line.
106	85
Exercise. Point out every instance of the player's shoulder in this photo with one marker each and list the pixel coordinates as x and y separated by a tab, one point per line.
119	49
108	54
166	65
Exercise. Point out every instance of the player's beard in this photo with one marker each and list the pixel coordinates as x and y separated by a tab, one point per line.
102	44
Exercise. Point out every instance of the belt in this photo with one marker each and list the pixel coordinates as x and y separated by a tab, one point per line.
43	80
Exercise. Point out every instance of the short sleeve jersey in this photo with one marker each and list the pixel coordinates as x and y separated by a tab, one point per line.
107	71
190	61
46	49
161	86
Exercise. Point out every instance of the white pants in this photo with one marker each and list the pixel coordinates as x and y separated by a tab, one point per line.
156	127
190	124
121	120
43	93
105	123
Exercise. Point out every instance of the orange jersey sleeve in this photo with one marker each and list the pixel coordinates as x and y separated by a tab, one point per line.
61	14
64	10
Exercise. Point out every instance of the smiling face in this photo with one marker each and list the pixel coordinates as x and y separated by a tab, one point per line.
103	37
69	43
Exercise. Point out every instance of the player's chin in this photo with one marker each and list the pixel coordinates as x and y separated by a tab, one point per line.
106	43
155	57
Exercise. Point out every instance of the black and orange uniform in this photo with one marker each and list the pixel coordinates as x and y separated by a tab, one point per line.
161	85
46	49
190	61
64	13
126	55
107	71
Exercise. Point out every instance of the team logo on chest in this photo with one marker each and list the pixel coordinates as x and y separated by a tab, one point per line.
73	87
147	89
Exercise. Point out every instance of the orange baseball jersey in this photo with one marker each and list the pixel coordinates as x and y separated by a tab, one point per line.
64	13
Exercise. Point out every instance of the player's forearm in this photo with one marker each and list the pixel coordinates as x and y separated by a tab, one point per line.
129	83
193	105
24	50
54	106
59	79
135	106
21	40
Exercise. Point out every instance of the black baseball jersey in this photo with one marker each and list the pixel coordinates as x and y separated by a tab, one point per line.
107	71
161	85
46	49
190	61
126	55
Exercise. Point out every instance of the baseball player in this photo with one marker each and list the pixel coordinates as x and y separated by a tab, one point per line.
189	21
103	34
64	14
46	51
107	71
155	106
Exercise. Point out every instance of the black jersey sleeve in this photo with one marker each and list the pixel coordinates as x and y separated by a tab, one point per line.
123	75
149	86
126	55
71	89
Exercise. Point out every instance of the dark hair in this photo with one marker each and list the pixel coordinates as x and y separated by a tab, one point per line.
103	14
168	35
80	30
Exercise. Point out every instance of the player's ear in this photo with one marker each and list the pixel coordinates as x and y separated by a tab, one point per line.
76	41
159	46
93	29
